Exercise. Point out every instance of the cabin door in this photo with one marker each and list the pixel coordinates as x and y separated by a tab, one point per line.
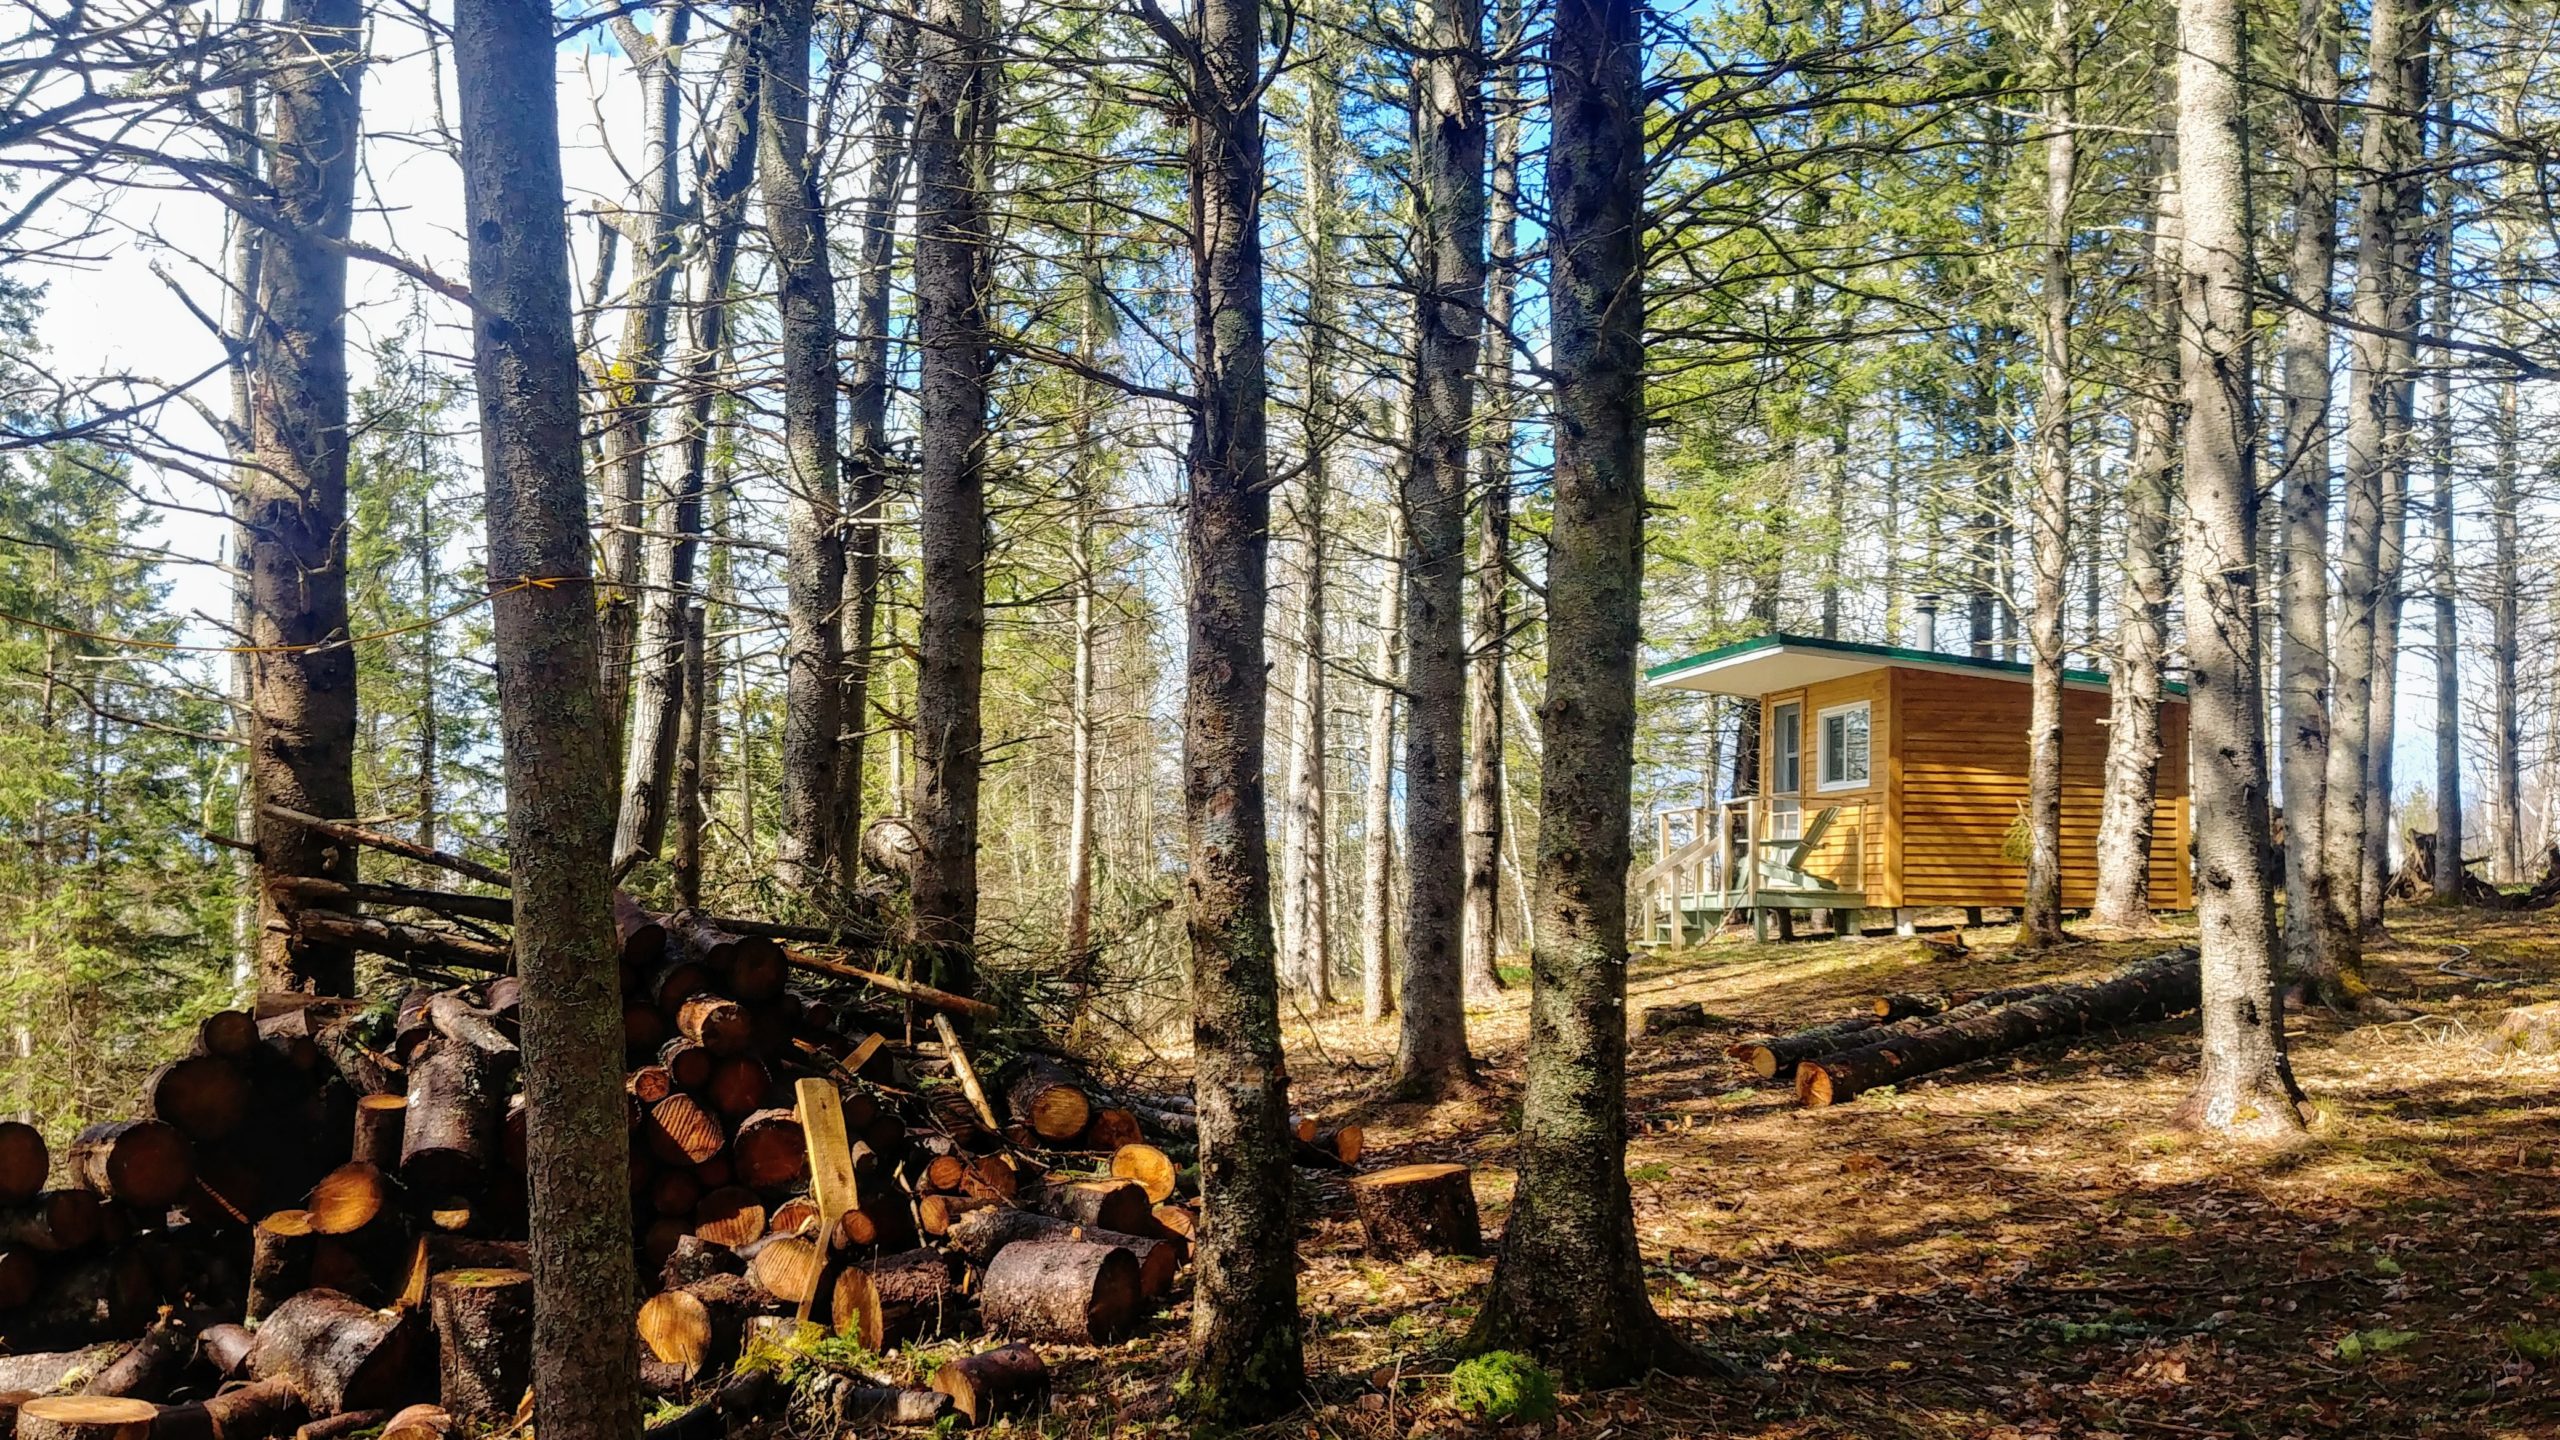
1786	771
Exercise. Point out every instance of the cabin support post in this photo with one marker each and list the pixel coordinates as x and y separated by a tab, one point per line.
1906	922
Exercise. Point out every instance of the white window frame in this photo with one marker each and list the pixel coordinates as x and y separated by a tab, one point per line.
1776	756
1822	781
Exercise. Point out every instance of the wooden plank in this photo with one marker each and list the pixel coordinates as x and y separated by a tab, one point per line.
831	1180
968	1074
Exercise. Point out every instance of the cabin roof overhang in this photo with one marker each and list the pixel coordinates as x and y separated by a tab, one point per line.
1769	663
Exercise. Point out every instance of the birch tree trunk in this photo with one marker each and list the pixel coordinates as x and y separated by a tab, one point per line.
667	600
293	503
1449	171
1377	810
630	382
1080	716
1483	899
1247	1362
2125	822
953	70
867	459
1569	1285
2244	1085
795	221
558	757
2311	142
2040	917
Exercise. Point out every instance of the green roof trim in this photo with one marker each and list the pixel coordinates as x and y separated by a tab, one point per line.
1882	654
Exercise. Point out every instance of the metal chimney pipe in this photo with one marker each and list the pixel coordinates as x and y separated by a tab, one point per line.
1928	608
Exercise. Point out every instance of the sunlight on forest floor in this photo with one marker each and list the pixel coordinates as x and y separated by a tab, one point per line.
2020	1247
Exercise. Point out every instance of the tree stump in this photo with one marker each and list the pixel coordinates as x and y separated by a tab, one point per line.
336	1354
484	1341
86	1417
379	1119
993	1382
146	1164
1427	1209
1076	1292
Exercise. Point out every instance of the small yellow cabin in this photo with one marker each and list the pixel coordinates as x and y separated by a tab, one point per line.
1896	780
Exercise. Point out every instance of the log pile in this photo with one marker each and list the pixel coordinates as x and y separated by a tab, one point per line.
1911	1035
2419	880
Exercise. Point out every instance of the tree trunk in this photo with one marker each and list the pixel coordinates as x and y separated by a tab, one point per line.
795	220
2447	639
951	327
1377	809
630	383
558	758
2311	138
1571	1213
1246	1359
1449	183
2245	1084
2040	916
867	456
293	502
1483	900
667	604
2125	821
2506	780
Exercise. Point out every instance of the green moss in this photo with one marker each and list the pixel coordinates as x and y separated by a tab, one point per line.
2537	1343
1503	1385
2363	1345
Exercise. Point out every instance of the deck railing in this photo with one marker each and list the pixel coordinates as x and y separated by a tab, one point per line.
1751	852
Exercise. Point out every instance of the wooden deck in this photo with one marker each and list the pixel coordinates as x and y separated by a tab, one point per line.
1748	857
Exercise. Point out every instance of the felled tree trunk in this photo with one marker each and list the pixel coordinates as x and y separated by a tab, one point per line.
2167	985
1425	1209
150	1367
336	1354
52	1223
1111	1204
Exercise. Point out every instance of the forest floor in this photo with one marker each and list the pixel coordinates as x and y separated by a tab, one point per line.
2021	1247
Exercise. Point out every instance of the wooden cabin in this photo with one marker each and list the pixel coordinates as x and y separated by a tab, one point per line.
1893	780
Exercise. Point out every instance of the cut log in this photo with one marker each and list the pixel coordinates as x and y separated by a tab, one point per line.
53	1223
151	1366
1106	1204
40	1371
423	944
379	1120
985	1234
146	1164
681	1132
422	1422
716	1023
484	1342
731	1216
860	1408
1076	1292
224	1350
688	1063
1663	1019
1770	1056
261	1411
2151	990
1425	1209
1050	1100
2526	1030
1922	1006
644	1028
1345	1143
936	1214
698	1257
674	983
770	1153
1172	1124
731	1410
738	1086
943	1173
883	1221
231	1034
995	1382
675	1192
694	1331
853	1307
25	1164
85	1417
1178	1221
348	1199
641	935
466	1024
449	1136
918	1294
341	1042
1110	1128
358	835
997	1176
21	1276
649	1084
925	995
750	967
335	1353
786	1267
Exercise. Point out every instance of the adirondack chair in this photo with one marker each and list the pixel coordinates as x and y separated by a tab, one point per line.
1782	864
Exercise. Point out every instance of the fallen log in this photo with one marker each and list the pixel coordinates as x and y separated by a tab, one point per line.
855	1409
1900	1006
1107	1204
985	1234
1076	1292
150	1367
343	1425
2151	990
336	1354
313	892
993	1382
244	1412
41	1370
1777	1056
1427	1209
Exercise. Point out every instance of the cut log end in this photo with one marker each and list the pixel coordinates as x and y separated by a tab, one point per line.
86	1417
994	1382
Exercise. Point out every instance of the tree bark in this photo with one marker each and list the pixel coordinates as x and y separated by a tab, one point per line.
1246	1359
2244	1085
2125	821
1449	175
2049	515
2447	639
952	78
1483	899
2506	779
867	460
558	758
667	603
1571	1212
795	220
293	501
1377	810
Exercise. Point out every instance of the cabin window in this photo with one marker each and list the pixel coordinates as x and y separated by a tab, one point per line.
1786	749
1844	747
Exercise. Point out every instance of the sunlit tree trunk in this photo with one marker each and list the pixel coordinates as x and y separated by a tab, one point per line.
1377	810
559	759
1483	902
2040	918
2505	592
293	502
2244	1085
2450	839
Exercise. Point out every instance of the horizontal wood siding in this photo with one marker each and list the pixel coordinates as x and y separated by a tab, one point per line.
1858	844
1962	759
